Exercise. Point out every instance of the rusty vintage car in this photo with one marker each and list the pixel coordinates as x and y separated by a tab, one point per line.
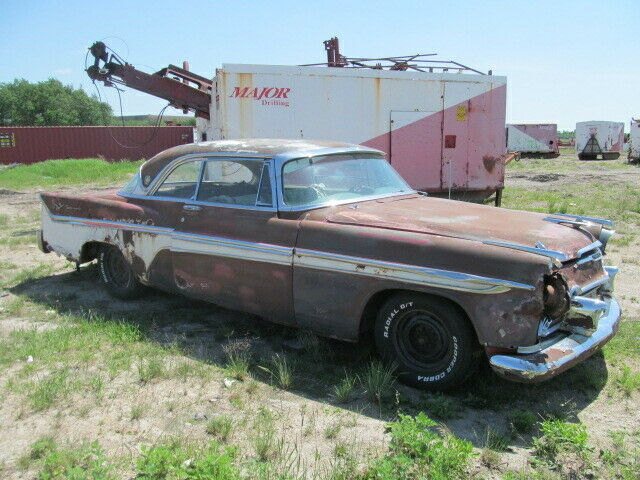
328	237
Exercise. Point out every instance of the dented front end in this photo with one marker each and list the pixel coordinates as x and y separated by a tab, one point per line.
580	316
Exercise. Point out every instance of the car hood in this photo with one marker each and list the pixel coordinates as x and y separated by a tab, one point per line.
465	220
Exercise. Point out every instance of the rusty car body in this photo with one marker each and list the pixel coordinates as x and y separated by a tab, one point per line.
328	237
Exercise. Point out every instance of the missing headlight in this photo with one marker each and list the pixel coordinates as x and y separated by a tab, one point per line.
555	296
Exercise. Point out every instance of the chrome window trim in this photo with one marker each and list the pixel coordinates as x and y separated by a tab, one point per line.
191	201
281	160
343	202
156	185
185	158
204	204
255	206
267	165
276	161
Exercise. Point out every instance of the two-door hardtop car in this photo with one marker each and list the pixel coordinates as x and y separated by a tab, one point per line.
328	237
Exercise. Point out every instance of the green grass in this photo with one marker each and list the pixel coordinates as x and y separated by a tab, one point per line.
264	439
281	370
344	391
440	406
175	461
238	354
28	275
561	437
54	173
523	421
621	203
418	452
379	381
220	427
80	355
84	462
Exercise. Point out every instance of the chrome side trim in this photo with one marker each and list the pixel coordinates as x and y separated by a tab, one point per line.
582	218
588	248
196	243
277	254
92	222
591	258
558	256
402	272
581	289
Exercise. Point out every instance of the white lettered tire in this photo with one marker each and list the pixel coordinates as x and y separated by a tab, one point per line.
429	340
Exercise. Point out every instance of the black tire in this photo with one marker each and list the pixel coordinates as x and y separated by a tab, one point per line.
429	340
117	275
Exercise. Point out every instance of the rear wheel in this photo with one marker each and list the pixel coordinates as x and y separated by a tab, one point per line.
428	339
117	275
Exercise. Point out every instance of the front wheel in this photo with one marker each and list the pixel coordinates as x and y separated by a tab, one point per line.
429	340
117	275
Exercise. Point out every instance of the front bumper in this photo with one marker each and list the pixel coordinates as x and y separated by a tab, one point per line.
560	355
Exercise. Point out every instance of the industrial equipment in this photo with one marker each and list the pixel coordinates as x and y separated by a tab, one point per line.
441	123
599	139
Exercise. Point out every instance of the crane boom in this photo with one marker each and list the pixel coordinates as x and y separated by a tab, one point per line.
181	88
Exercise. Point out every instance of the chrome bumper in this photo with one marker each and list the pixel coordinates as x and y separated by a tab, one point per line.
564	351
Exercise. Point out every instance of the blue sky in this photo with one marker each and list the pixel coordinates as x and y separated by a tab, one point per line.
565	60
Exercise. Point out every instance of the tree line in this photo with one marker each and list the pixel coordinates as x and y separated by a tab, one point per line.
51	103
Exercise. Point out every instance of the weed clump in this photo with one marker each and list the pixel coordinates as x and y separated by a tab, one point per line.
418	452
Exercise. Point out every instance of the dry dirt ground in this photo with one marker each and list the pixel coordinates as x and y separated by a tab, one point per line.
178	380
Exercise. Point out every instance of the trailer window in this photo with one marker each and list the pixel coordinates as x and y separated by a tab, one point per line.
334	178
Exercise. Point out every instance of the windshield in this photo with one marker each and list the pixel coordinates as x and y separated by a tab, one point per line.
328	179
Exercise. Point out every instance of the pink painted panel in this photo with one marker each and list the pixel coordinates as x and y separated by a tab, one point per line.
416	149
418	152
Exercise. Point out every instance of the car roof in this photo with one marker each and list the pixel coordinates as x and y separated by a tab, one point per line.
255	146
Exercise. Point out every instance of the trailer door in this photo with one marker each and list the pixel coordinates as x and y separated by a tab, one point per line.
416	147
455	137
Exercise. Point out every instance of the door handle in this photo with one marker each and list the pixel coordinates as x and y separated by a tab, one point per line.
192	208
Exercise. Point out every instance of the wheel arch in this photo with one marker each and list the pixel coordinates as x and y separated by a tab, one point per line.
91	249
375	302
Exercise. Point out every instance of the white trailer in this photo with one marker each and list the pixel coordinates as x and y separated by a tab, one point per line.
599	138
444	132
634	140
533	139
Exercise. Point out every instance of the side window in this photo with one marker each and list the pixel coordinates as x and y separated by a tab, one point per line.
181	183
264	194
233	182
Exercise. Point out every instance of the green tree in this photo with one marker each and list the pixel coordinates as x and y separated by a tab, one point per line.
47	103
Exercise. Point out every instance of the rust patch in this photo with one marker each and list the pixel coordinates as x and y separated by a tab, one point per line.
489	162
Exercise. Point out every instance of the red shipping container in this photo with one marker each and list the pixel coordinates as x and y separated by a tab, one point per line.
36	144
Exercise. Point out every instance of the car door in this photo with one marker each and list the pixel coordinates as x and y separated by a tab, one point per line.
229	246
